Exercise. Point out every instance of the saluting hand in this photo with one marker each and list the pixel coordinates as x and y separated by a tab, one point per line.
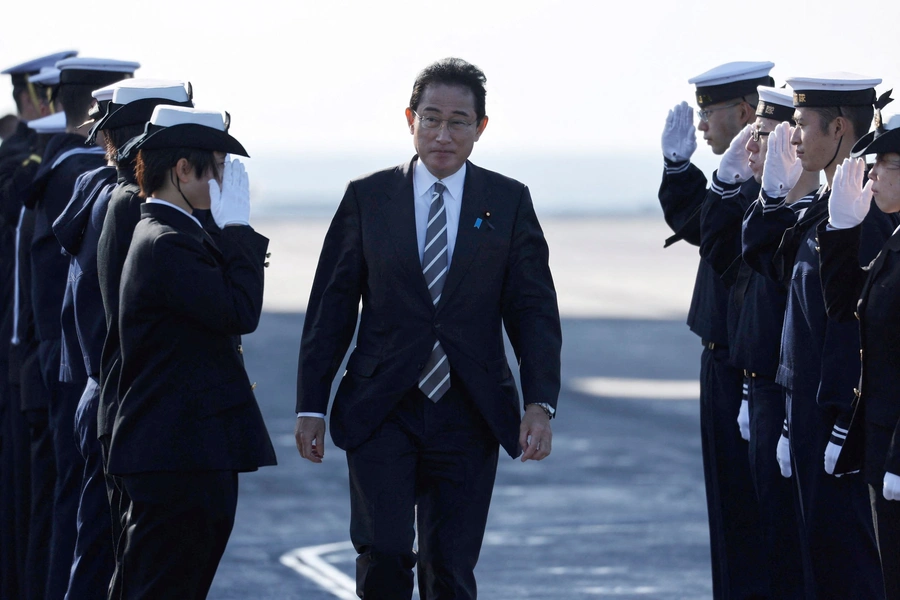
535	434
849	202
679	137
735	164
309	433
782	168
230	204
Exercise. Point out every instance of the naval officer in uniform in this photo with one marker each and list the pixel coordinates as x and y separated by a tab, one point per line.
727	99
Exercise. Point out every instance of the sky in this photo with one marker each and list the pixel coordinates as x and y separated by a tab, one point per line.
328	81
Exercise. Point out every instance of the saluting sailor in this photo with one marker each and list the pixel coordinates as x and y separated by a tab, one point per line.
187	420
66	157
818	364
756	313
871	295
727	99
20	155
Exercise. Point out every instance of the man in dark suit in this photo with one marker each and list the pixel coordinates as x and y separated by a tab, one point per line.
443	254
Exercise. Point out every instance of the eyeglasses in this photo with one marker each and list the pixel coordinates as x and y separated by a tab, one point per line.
454	125
755	134
704	113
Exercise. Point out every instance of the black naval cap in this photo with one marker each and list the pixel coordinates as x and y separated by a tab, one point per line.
185	127
731	80
21	71
775	103
885	137
131	101
833	89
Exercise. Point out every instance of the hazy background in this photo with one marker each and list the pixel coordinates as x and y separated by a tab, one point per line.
577	91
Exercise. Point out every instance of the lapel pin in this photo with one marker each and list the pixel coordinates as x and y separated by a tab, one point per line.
487	216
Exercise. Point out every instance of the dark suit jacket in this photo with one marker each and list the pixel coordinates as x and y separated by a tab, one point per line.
186	401
873	296
499	276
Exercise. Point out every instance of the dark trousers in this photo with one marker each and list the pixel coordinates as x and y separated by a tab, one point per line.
177	529
430	467
779	513
838	535
119	503
886	516
43	483
739	567
93	562
67	492
15	491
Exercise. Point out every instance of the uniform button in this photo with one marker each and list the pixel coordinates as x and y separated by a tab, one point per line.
268	254
856	314
266	264
856	392
240	349
253	386
817	249
860	354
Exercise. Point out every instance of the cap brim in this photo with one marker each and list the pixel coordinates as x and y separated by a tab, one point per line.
190	136
873	143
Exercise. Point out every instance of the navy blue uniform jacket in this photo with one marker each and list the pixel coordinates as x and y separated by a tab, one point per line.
186	401
819	357
873	294
499	276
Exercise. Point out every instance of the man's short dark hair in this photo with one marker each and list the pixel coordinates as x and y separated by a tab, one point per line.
452	71
153	166
860	117
76	99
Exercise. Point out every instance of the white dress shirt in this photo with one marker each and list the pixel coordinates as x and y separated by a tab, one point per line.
423	188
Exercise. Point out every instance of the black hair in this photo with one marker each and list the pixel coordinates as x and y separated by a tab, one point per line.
76	100
117	137
153	166
860	117
452	71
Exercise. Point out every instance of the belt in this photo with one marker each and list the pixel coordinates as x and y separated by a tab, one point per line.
709	345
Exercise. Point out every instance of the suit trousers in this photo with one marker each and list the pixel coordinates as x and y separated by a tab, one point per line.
779	509
93	563
740	569
429	468
838	535
177	529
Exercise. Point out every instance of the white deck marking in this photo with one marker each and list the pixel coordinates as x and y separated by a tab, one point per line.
309	563
654	389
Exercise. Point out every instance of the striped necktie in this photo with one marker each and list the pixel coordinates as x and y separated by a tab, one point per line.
434	380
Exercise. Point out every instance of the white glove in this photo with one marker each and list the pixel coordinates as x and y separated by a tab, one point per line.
849	202
782	168
743	420
735	164
230	205
679	138
833	449
783	456
891	488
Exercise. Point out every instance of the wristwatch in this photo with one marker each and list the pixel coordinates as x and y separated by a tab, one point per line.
551	412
